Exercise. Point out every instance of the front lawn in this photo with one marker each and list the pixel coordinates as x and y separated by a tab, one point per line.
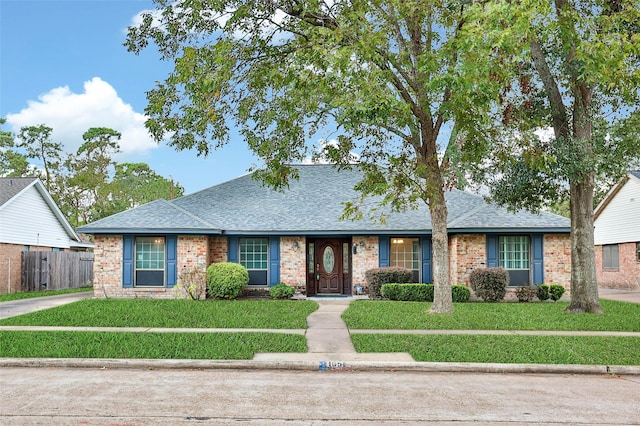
290	314
80	344
387	315
588	350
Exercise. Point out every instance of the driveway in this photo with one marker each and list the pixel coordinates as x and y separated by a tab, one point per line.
632	296
24	306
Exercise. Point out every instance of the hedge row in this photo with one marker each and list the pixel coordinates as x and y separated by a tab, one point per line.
422	292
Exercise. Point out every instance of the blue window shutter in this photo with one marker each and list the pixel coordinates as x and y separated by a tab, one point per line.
172	257
383	250
425	243
234	249
492	251
537	248
127	261
274	261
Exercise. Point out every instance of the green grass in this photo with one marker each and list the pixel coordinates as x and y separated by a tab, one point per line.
29	294
368	314
506	349
173	314
78	344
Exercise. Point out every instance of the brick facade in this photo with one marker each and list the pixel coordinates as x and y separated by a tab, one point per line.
218	249
10	267
193	259
293	262
366	257
467	252
627	276
557	260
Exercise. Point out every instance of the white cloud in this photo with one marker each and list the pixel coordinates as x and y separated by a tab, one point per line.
70	115
319	157
545	134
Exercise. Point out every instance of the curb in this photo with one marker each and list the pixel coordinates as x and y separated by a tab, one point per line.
323	366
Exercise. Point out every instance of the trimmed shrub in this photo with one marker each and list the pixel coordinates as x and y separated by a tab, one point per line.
490	284
556	291
542	292
408	292
226	280
377	277
550	291
460	293
525	293
281	291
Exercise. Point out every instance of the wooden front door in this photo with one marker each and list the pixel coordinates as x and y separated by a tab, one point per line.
329	267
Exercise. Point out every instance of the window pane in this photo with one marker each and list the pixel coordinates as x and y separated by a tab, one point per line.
254	253
405	253
610	256
149	261
514	252
254	256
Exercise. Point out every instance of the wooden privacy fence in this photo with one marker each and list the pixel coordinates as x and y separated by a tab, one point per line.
56	270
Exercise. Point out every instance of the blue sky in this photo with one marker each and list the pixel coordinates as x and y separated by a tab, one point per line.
62	63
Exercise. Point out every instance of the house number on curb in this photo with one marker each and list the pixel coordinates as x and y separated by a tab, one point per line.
333	366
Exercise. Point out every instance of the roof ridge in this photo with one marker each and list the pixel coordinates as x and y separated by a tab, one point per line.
188	213
471	212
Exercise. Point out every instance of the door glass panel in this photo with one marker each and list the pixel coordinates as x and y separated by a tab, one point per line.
311	259
345	258
328	258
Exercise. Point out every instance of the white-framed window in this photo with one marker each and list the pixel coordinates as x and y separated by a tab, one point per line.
405	253
149	262
610	257
254	255
638	251
514	252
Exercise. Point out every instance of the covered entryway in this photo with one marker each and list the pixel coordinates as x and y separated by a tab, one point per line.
328	266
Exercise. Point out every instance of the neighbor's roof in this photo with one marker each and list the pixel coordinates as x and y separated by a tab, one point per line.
633	174
311	205
12	188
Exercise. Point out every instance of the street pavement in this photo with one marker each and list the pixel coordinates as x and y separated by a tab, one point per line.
93	396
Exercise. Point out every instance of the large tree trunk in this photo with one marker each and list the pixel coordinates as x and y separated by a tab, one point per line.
584	287
442	300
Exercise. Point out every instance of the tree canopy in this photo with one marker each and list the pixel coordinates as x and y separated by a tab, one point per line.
381	79
89	184
573	67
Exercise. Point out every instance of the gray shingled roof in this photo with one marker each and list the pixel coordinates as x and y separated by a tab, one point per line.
10	187
636	173
312	205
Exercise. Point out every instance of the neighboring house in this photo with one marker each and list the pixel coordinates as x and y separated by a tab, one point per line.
617	235
30	221
296	237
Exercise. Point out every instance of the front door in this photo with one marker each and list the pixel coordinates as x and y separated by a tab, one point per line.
329	267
